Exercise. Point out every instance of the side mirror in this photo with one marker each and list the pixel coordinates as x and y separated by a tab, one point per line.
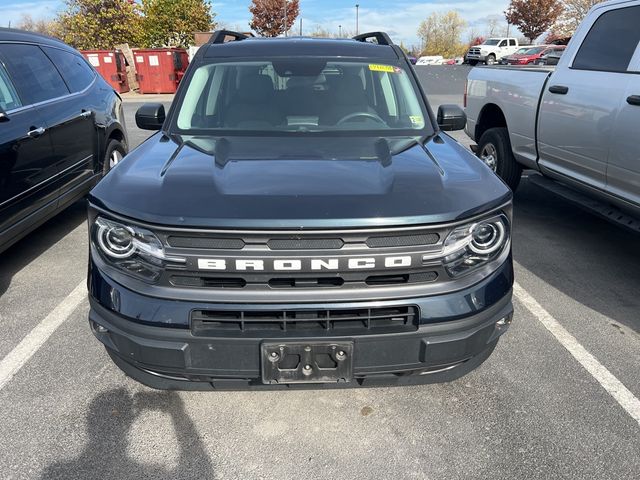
3	116
150	116
451	117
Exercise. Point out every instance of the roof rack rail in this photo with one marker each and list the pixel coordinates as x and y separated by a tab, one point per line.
381	38
219	36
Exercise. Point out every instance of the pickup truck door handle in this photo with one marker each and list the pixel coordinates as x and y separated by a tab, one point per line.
634	100
35	132
86	113
559	89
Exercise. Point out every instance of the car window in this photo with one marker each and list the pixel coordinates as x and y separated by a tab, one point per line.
503	43
33	74
301	95
73	68
9	99
512	43
611	42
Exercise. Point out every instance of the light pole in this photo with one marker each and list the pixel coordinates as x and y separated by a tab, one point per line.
357	18
285	18
340	30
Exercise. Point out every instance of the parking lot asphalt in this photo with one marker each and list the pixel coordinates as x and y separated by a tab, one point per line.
545	405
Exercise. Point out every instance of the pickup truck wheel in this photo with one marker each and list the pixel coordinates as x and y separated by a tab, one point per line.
494	149
112	156
491	59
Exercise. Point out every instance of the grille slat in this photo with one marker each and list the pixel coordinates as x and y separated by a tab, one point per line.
305	244
268	323
403	240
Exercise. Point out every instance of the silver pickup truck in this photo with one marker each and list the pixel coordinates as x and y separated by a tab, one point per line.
577	124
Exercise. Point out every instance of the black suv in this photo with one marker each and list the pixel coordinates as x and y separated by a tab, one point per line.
61	127
300	220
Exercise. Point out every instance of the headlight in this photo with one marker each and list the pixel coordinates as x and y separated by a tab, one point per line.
473	245
131	249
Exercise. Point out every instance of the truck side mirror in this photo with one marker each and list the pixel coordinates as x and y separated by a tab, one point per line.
150	116
451	117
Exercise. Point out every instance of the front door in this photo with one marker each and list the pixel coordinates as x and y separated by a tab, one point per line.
27	170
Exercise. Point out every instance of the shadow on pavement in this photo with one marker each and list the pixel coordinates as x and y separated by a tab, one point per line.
23	252
109	420
588	259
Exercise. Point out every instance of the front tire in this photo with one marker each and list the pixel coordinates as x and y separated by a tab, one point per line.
116	150
494	149
491	59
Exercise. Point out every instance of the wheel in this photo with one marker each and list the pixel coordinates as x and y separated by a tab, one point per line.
115	152
494	149
473	63
491	59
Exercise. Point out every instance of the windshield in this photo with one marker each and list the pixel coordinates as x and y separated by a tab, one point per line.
301	95
492	41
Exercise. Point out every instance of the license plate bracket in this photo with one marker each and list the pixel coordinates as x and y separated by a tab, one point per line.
306	362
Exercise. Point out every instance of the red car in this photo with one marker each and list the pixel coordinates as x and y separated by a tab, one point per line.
533	55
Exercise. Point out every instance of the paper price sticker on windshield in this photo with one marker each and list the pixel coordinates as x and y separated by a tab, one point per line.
383	68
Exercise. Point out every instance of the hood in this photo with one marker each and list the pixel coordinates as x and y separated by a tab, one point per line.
299	182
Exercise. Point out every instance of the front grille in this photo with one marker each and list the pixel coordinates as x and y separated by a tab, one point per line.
296	323
305	260
305	241
308	282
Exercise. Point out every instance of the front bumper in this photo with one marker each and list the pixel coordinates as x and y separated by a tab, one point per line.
476	57
456	333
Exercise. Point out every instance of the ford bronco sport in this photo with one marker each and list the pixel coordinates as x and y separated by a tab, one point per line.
299	220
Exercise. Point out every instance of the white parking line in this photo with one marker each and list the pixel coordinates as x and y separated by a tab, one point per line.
20	355
609	382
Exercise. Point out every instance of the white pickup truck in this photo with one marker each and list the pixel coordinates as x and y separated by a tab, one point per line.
492	50
577	124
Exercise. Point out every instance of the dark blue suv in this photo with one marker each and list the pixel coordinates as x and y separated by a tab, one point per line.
299	220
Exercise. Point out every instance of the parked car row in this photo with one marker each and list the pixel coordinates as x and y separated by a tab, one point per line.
536	55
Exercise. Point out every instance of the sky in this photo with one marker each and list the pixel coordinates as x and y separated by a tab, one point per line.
400	18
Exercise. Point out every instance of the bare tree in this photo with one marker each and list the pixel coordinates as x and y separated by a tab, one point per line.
40	25
574	13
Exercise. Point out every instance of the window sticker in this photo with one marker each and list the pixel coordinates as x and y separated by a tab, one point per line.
417	120
382	68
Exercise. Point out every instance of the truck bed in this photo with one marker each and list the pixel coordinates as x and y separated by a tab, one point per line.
516	91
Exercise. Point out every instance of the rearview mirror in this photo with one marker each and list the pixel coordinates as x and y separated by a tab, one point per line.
451	117
150	116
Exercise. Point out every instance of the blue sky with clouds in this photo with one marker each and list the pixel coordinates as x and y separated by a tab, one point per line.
398	17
